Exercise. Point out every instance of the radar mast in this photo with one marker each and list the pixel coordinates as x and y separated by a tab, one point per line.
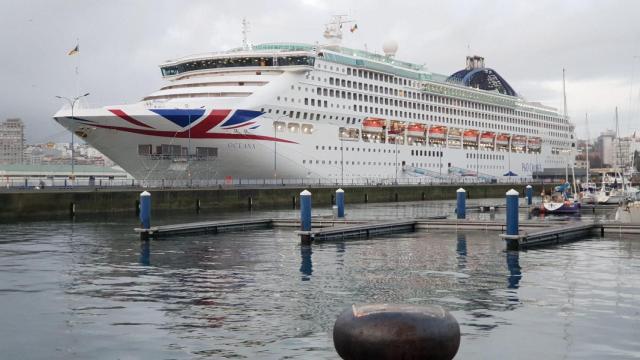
333	29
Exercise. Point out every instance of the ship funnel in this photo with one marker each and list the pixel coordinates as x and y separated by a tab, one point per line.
475	62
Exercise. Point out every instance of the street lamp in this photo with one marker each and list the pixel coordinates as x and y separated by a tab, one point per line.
341	161
72	103
189	147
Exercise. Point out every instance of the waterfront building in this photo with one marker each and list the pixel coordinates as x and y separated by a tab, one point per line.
17	174
12	141
606	148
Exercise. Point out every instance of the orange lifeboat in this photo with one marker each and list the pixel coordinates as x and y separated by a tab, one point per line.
502	139
396	127
487	137
373	125
534	143
438	132
470	136
415	130
519	141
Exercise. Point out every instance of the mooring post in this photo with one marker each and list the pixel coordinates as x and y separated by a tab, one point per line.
461	203
145	214
305	216
512	212
529	194
380	331
340	202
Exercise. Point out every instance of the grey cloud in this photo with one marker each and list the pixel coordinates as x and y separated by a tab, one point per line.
122	42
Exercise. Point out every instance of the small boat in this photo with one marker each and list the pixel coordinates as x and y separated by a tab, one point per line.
588	194
628	212
534	143
373	125
470	136
438	132
487	137
396	128
560	202
503	140
519	142
416	130
613	196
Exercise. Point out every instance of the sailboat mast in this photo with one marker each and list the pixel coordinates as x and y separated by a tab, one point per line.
566	120
564	95
619	157
586	123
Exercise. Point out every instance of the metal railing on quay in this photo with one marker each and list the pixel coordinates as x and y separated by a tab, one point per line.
35	184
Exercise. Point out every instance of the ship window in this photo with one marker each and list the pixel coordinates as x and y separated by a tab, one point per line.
307	128
279	126
294	127
206	152
170	150
144	149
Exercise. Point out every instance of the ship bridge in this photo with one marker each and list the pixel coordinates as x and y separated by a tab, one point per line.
477	76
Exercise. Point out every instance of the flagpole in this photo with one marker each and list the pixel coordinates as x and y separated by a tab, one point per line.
73	150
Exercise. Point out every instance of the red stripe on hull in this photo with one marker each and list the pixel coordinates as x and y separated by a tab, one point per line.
122	115
241	125
212	120
194	135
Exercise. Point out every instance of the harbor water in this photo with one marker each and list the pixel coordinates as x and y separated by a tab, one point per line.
89	288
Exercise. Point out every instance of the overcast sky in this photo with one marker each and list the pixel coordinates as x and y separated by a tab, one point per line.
122	43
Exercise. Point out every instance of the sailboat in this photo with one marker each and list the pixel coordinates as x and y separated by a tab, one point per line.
588	191
563	200
609	192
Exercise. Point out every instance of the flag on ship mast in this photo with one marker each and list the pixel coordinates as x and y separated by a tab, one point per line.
75	50
354	28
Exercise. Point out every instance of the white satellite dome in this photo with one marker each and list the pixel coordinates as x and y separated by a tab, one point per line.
390	47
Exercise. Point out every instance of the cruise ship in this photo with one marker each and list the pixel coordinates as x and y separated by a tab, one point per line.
325	112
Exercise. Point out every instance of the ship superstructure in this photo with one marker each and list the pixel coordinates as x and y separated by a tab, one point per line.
299	111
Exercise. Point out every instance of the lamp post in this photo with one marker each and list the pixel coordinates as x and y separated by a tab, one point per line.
72	103
395	141
275	154
341	161
478	160
440	161
189	147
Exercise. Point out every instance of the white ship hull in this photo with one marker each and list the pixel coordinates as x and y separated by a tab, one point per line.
301	114
262	153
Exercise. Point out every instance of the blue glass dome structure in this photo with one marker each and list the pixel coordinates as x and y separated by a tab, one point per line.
477	76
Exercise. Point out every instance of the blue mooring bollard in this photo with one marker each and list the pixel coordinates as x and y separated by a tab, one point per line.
461	203
305	217
340	202
512	212
388	331
305	210
145	209
529	194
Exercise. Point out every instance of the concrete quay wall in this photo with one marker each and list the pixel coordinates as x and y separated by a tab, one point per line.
43	204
